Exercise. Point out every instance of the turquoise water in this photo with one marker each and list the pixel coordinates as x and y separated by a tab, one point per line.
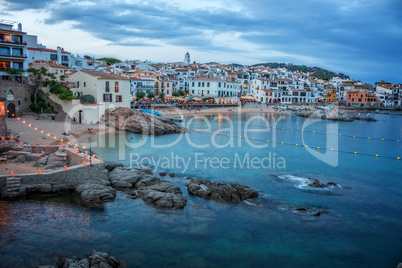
360	224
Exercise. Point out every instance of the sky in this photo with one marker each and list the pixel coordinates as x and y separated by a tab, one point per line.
360	38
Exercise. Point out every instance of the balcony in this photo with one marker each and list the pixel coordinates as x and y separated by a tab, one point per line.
13	56
13	42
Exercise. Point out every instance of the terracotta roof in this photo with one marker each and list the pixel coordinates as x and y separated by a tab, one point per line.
104	75
47	50
56	65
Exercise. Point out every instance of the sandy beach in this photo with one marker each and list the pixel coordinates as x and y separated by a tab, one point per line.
44	131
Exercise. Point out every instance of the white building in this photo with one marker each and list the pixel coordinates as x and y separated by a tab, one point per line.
221	90
13	48
108	90
187	60
142	84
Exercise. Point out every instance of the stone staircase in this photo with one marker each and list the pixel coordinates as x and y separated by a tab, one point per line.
13	185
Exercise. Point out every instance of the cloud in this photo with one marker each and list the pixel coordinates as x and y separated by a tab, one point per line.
318	32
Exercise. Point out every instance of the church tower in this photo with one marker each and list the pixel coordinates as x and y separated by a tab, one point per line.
186	59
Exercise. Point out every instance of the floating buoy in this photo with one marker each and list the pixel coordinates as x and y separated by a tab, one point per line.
240	137
340	134
376	155
397	140
382	139
325	133
306	146
355	152
354	136
369	138
65	168
228	135
292	129
217	134
302	130
265	126
297	144
283	128
267	140
399	158
253	138
281	142
332	150
313	131
318	148
211	133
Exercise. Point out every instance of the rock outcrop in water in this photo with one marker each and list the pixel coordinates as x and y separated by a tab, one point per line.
221	192
139	122
96	260
151	189
333	115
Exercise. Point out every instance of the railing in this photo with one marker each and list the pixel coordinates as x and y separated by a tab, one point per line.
13	42
13	56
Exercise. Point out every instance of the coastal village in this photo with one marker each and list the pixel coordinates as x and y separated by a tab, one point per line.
52	99
96	86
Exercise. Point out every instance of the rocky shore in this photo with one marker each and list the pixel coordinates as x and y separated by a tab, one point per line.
332	115
96	260
125	119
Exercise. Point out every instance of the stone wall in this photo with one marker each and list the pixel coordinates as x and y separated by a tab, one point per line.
22	95
3	127
56	181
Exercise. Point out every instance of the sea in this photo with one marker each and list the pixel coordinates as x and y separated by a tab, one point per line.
354	221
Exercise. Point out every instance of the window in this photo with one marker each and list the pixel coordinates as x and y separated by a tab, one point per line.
10	95
193	84
167	91
353	99
116	87
17	52
118	98
85	84
19	102
199	91
219	84
167	84
207	84
207	91
203	84
64	58
78	84
199	84
107	97
193	92
107	88
53	56
4	51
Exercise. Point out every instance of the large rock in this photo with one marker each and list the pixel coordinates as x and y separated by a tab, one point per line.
221	192
96	193
151	189
96	260
139	122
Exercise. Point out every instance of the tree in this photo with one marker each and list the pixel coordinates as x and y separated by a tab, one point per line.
181	92
110	61
175	94
40	77
140	94
151	95
161	95
87	57
14	72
